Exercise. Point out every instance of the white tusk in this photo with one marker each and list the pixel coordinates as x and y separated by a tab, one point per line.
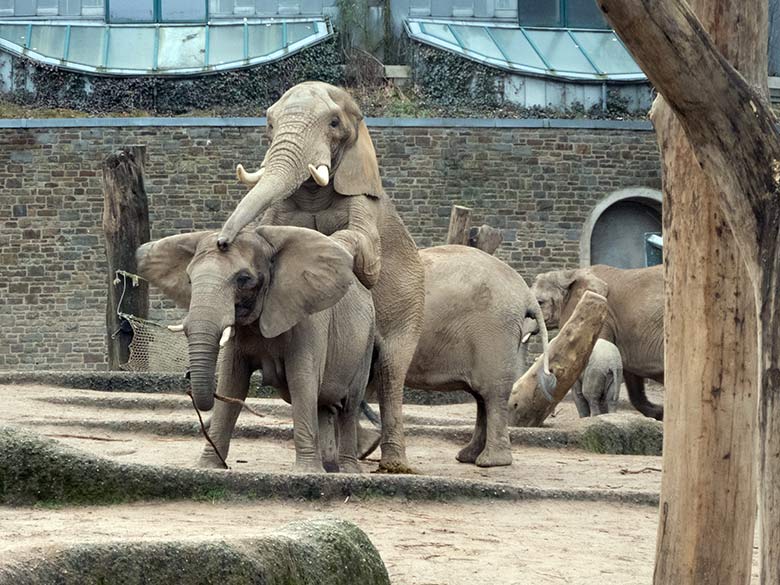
226	335
176	328
249	179
526	337
320	174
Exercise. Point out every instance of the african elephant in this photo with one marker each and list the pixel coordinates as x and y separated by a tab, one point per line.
634	321
273	300
320	172
479	314
598	387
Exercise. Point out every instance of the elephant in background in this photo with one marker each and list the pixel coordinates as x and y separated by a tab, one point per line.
280	299
598	388
479	315
634	321
320	172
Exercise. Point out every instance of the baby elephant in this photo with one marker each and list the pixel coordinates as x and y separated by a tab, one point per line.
283	300
597	390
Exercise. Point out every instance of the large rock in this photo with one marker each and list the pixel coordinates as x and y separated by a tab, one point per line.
317	552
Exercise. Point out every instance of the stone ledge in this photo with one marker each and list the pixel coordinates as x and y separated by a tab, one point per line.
317	552
36	470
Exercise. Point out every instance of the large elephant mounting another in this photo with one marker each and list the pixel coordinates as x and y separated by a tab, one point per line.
320	172
634	321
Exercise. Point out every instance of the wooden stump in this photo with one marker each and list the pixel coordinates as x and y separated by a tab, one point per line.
126	226
460	219
486	238
569	353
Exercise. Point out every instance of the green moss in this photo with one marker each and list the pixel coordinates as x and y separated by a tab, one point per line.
635	436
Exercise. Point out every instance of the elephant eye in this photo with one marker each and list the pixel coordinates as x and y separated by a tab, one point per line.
334	123
245	281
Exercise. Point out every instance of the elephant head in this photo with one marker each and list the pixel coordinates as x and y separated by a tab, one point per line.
274	275
317	138
558	292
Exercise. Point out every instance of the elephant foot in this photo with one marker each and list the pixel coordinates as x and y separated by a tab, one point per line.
331	466
349	466
652	411
308	467
494	458
394	462
209	460
368	441
469	453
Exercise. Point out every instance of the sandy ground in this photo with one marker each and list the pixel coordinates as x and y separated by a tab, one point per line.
422	543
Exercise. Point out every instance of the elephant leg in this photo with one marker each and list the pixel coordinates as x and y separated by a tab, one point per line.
636	394
498	450
348	439
302	382
234	377
393	362
368	438
583	408
329	445
470	452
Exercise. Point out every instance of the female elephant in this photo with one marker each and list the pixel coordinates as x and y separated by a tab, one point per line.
273	300
598	387
634	321
320	172
479	314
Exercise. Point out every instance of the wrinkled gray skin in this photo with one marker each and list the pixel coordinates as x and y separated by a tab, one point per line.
298	314
479	315
321	125
598	387
634	321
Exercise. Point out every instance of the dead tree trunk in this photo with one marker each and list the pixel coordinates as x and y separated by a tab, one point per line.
707	498
569	352
126	226
460	219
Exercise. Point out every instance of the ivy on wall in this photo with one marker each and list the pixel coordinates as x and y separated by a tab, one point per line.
239	92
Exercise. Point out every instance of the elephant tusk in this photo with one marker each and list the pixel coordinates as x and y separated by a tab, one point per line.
246	178
176	328
526	337
321	174
226	335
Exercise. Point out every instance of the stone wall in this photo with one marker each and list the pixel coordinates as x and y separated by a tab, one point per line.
536	179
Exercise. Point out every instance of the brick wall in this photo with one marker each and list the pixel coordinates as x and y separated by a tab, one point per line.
537	183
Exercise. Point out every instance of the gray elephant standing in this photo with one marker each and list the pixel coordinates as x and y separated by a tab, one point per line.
598	388
320	172
274	301
479	315
634	321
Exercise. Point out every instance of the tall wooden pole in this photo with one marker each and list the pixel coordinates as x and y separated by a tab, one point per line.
460	221
125	226
720	152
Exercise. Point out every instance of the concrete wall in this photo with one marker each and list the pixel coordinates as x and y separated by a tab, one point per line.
539	180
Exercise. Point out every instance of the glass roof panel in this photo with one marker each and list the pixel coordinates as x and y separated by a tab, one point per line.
86	45
131	48
517	47
439	31
607	52
164	49
226	44
48	40
266	39
14	33
560	51
476	39
297	31
181	47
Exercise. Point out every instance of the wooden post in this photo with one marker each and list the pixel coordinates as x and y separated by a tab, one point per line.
486	238
460	219
126	226
569	352
720	149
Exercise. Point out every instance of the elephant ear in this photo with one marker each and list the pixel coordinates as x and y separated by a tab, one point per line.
358	171
586	280
164	263
309	273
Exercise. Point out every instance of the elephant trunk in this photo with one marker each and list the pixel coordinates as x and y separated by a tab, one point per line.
286	168
203	341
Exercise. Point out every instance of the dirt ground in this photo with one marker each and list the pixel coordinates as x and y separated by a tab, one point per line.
422	543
